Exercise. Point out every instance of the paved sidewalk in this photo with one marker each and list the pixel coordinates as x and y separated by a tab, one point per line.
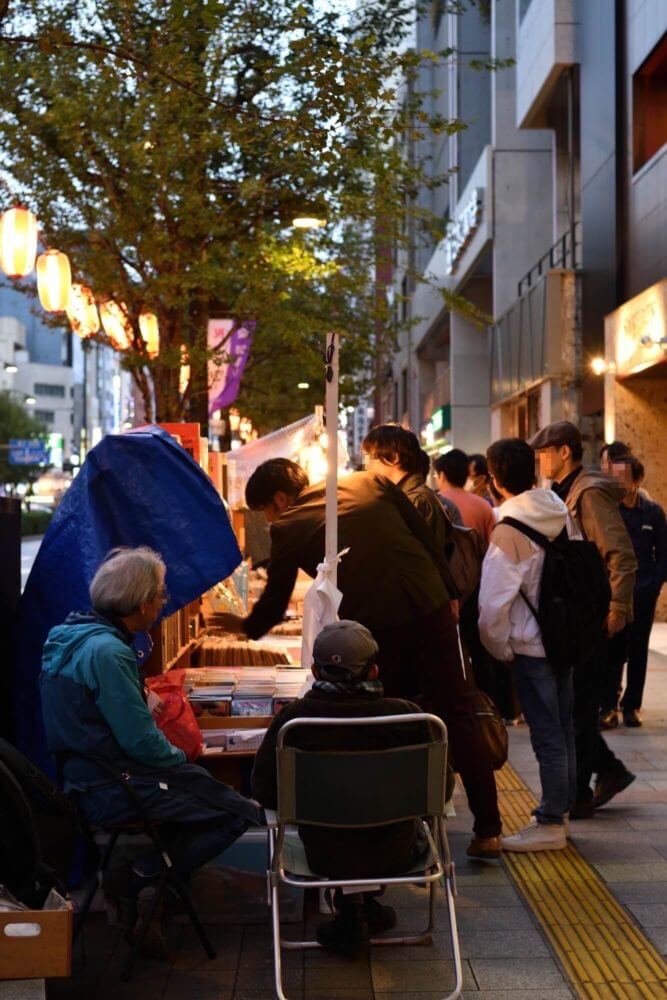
627	840
505	954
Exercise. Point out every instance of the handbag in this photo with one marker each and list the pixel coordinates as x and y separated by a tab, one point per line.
493	729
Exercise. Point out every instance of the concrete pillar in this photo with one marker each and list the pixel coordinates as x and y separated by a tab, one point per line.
522	173
470	390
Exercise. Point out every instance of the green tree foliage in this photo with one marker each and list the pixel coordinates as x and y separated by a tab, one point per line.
16	423
166	145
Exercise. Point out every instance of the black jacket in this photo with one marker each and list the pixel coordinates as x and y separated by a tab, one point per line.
645	523
338	853
392	574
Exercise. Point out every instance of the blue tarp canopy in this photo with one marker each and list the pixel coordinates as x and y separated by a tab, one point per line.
139	488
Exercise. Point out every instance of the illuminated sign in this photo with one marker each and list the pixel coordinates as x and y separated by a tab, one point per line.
636	333
461	230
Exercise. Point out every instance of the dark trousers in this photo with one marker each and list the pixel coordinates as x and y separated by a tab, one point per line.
426	658
491	676
191	845
593	754
630	645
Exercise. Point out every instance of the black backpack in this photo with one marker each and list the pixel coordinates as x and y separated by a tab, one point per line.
38	830
574	597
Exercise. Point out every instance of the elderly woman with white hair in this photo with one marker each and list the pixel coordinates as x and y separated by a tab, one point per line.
93	704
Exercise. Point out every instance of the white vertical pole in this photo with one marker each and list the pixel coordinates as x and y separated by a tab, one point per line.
332	343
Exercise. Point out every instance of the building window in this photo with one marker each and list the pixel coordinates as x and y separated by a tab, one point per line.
49	389
649	105
46	416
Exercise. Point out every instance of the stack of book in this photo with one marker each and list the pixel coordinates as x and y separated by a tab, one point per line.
253	694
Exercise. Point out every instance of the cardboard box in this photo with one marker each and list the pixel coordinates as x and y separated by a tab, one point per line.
45	953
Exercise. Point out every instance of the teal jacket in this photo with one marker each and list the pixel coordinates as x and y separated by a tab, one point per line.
92	698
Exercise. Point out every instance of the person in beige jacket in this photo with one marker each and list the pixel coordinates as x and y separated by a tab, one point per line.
592	497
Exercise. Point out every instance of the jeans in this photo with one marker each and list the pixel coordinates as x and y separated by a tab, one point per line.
191	845
546	698
426	658
630	645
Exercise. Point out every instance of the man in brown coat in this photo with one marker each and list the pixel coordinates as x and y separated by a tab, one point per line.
592	498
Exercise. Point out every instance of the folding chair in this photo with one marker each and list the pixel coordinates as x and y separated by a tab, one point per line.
168	877
342	790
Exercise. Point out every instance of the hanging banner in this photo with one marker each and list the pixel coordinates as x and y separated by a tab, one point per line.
233	340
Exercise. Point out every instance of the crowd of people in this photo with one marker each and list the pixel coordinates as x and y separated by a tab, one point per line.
460	575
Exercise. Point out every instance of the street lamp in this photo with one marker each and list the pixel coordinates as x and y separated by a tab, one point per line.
303	385
150	331
116	323
10	368
308	222
18	242
82	311
30	401
54	280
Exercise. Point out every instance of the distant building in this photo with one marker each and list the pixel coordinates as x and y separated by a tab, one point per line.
52	367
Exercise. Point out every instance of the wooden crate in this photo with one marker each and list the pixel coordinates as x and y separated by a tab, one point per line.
46	954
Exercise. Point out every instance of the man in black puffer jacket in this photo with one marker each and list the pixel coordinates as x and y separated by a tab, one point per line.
346	686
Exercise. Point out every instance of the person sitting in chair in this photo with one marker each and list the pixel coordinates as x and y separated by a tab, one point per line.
93	706
347	686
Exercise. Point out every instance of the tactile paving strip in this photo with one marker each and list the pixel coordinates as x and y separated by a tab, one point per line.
602	952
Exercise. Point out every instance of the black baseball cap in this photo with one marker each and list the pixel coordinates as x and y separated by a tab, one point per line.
344	648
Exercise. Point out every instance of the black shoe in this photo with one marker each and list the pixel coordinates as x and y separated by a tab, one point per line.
609	720
582	810
347	934
610	784
632	719
379	918
156	940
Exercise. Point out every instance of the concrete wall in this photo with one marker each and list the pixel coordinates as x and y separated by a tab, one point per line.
646	22
548	42
641	421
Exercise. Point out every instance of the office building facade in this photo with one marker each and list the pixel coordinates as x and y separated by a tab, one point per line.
555	227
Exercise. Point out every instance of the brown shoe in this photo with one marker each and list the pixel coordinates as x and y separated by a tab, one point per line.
485	848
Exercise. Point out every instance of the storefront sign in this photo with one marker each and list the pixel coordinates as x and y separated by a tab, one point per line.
636	333
461	230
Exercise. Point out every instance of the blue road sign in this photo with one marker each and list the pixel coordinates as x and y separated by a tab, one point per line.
32	452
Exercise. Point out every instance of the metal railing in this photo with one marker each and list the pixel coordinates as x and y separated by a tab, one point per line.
564	253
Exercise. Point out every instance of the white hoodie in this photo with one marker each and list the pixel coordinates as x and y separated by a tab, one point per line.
513	563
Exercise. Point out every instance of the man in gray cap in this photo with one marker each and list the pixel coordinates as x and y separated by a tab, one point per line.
593	500
346	686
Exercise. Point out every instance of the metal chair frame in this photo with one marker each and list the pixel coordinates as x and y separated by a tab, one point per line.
435	831
168	877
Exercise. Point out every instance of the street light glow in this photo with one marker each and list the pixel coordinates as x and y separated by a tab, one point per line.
303	385
30	400
308	222
11	369
598	366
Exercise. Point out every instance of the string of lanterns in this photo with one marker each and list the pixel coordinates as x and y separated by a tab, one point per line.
19	237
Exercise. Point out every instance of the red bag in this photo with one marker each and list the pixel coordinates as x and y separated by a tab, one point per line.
176	719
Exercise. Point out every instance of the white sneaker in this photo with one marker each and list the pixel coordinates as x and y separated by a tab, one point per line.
537	837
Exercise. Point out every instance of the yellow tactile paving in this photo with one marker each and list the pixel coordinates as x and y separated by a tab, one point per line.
604	955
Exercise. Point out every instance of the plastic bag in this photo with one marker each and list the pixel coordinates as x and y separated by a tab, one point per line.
175	717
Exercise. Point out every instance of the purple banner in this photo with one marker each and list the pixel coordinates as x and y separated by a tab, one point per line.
225	379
